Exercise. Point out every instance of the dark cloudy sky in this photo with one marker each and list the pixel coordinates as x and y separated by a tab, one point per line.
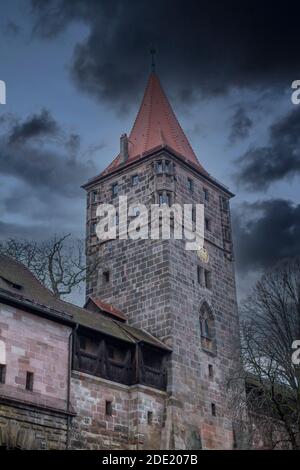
75	72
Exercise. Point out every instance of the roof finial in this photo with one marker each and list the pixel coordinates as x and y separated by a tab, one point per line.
153	52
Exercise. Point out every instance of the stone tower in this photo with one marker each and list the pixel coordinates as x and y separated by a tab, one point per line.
188	302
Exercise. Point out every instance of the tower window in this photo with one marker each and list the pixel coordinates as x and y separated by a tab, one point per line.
93	197
224	204
205	328
207	331
207	279
168	167
150	417
116	218
106	277
207	224
199	275
115	189
135	212
2	373
134	180
108	408
206	194
159	167
210	371
29	381
190	184
227	234
164	198
194	214
93	228
213	409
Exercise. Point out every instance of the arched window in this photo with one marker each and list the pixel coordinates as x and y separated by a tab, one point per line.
207	328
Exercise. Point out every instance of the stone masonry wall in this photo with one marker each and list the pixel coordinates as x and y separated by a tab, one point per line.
191	380
37	345
155	283
27	428
127	427
33	419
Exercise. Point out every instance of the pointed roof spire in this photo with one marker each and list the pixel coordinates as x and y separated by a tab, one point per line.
156	126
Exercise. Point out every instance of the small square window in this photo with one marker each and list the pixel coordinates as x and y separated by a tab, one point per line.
210	371
206	194
150	417
108	408
190	184
29	381
213	410
2	373
115	189
134	180
106	277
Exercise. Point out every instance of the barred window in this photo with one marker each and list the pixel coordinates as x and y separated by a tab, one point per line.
115	189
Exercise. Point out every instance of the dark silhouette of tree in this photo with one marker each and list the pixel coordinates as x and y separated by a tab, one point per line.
270	325
58	263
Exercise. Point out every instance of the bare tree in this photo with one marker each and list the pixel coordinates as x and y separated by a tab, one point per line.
58	263
271	322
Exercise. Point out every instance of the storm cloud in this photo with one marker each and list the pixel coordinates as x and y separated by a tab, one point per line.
41	175
207	47
38	125
265	232
43	168
240	125
280	159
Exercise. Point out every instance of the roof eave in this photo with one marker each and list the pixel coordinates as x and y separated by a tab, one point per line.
164	148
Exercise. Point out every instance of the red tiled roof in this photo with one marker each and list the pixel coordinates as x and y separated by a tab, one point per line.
156	127
107	308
